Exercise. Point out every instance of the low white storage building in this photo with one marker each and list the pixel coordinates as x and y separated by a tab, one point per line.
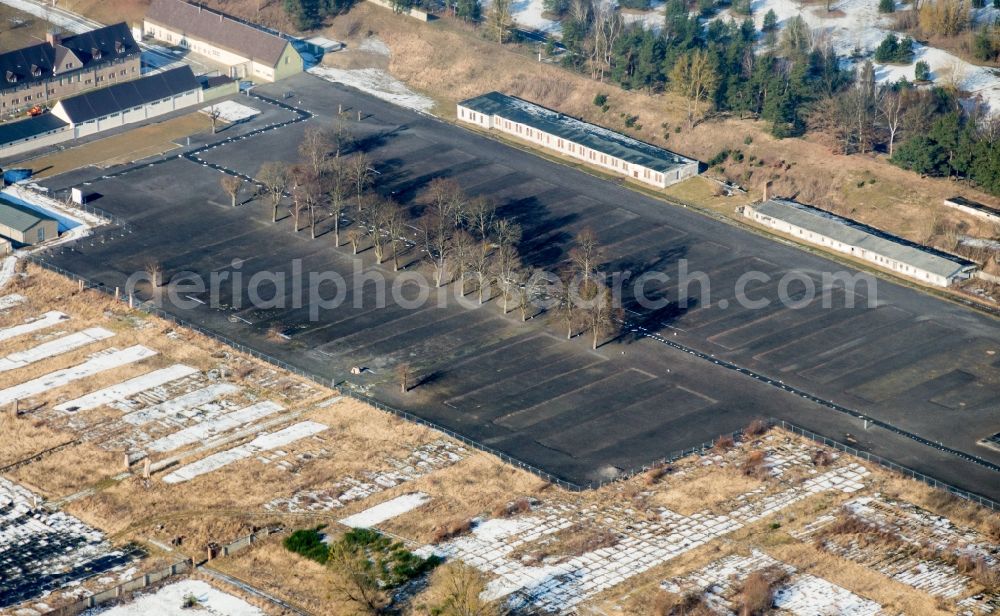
974	208
29	134
128	102
815	226
592	144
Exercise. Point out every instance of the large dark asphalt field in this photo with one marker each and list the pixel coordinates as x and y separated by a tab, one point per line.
915	363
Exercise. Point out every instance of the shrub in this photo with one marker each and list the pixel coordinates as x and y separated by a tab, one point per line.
822	457
630	120
757	593
719	158
189	601
922	71
450	530
754	465
747	140
894	49
600	100
308	542
521	505
723	443
756	428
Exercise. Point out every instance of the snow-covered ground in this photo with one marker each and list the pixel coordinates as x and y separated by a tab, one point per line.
376	82
373	516
264	442
128	388
857	26
53	348
45	321
169	601
231	111
528	15
97	364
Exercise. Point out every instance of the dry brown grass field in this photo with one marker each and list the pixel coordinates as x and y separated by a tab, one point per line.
136	144
20	29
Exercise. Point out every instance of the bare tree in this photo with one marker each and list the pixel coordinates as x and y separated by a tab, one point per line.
446	200
566	303
315	147
307	193
213	114
405	374
155	272
341	136
599	310
395	225
481	266
608	26
529	288
695	78
232	185
356	578
463	245
508	233
482	212
890	109
508	267
499	19
274	177
339	187
354	236
362	174
437	234
376	218
586	255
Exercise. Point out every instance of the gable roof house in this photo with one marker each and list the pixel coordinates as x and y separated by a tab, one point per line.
133	101
248	51
62	66
23	225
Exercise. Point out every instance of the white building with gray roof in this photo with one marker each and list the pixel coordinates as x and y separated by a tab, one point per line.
815	226
590	143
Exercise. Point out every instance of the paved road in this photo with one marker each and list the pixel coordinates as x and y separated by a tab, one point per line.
922	367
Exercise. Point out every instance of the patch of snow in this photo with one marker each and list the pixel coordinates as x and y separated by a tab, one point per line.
208	429
127	388
95	365
264	442
378	83
180	404
528	14
169	601
857	26
48	319
373	516
375	45
6	273
53	348
9	301
231	111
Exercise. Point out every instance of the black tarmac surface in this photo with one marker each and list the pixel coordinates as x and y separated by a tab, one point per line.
923	370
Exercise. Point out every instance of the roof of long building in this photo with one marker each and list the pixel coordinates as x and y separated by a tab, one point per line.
43	61
128	94
582	133
11	132
19	217
873	240
219	29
